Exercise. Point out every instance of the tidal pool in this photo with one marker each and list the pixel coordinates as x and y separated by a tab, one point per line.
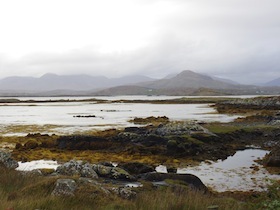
239	172
37	164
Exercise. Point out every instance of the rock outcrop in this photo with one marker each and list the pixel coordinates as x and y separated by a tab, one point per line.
274	158
191	180
78	168
113	173
64	187
136	168
7	161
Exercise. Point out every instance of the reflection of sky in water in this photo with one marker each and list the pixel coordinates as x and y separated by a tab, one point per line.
232	174
109	114
36	164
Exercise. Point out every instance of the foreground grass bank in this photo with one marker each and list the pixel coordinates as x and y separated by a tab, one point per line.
18	191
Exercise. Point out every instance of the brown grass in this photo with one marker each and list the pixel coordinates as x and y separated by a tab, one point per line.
20	192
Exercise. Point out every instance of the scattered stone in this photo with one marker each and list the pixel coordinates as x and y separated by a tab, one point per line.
124	192
7	161
64	187
85	116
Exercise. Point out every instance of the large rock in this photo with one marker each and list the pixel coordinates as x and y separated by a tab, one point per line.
179	128
64	187
78	168
7	161
136	168
274	158
113	173
193	181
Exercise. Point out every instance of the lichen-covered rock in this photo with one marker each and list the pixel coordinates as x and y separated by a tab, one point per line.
64	187
113	173
121	174
78	168
7	161
124	192
101	170
178	128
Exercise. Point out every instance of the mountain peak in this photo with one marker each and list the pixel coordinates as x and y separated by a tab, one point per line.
49	75
190	74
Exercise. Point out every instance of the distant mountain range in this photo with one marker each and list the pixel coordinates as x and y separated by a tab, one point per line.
275	82
50	82
185	83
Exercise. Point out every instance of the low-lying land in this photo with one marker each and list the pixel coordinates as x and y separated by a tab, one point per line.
152	141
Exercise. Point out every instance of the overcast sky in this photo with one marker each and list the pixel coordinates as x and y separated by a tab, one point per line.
236	39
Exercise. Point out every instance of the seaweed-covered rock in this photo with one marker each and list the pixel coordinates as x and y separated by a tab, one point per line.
31	144
64	187
7	161
78	168
136	167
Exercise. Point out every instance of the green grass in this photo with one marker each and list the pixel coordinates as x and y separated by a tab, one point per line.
222	128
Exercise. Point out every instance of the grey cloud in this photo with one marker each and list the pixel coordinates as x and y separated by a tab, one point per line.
233	39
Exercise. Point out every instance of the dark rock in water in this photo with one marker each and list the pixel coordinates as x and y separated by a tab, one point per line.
78	168
124	192
113	173
85	116
136	168
7	161
193	181
274	158
64	187
171	170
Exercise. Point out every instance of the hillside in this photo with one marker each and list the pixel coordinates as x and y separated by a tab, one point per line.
188	79
275	82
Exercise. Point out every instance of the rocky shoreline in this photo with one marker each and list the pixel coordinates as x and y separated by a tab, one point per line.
152	141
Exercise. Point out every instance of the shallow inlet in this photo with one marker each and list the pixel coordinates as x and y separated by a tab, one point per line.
239	172
58	118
